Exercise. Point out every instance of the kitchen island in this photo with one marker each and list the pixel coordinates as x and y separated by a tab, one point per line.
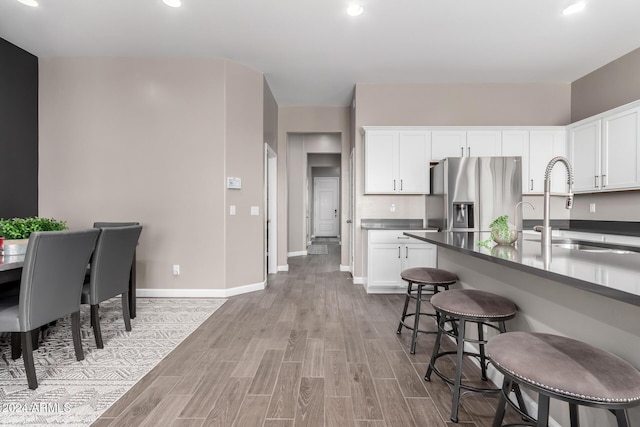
590	296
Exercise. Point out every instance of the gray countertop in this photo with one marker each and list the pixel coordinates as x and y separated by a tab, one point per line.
393	224
613	275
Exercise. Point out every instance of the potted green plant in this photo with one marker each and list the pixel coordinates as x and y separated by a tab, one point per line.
502	232
16	231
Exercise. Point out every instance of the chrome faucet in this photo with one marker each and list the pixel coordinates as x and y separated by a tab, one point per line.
545	240
515	212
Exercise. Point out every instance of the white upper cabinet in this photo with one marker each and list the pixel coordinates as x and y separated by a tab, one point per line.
381	161
396	161
537	147
515	143
484	143
413	162
584	147
448	143
605	151
621	150
544	145
465	143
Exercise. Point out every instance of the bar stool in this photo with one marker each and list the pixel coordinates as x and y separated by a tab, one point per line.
422	276
479	307
564	369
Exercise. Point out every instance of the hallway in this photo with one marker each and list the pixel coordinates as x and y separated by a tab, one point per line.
311	350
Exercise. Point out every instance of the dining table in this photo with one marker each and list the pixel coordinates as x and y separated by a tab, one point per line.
11	270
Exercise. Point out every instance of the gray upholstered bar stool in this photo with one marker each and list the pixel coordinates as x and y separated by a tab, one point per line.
463	306
434	279
565	369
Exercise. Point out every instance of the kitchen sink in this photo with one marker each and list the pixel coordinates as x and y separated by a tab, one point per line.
594	247
590	248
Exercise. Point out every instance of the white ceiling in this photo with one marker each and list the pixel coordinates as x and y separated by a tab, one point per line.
312	52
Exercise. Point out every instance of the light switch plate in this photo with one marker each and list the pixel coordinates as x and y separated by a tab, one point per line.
234	183
255	210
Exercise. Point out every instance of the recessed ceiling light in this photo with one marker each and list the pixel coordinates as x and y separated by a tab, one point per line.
173	3
355	9
32	3
574	8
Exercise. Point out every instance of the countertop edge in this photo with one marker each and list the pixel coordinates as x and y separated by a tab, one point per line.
567	280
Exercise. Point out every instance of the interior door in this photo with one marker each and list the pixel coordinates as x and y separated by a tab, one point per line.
326	203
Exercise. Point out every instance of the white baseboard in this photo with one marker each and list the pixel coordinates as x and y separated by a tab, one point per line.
359	280
385	290
299	253
346	268
199	293
283	267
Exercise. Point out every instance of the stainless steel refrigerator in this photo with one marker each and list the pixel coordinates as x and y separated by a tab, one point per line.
468	193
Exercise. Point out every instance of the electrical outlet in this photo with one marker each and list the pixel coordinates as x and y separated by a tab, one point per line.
176	269
592	207
232	210
392	208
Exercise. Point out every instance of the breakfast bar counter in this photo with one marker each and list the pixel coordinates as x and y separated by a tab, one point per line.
589	293
611	270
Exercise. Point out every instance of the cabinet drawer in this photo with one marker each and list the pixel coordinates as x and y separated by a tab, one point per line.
389	236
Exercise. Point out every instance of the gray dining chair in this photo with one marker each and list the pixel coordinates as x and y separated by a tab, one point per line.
50	288
110	271
132	276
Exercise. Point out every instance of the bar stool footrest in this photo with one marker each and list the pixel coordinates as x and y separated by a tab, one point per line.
451	382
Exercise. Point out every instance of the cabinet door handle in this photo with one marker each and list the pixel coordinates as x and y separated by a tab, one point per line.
468	151
401	184
595	181
394	185
531	185
461	151
403	237
398	251
406	251
604	181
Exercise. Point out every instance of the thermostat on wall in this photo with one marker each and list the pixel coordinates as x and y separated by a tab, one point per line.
234	183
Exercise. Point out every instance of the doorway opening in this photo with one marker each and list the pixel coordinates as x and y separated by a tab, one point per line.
310	156
271	218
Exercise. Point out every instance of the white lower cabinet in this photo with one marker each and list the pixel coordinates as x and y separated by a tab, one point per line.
390	252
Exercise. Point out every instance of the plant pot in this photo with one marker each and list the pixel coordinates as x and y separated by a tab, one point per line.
15	247
508	238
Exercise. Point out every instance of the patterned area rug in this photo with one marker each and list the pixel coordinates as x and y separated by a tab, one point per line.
73	393
317	250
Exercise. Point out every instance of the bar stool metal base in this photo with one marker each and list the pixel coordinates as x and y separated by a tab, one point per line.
463	306
456	383
436	280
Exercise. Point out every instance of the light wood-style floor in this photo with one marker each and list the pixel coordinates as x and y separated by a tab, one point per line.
313	349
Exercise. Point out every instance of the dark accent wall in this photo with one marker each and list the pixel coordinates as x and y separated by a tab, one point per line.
18	132
610	86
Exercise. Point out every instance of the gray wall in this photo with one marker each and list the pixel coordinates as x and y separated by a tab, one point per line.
270	118
18	131
152	140
610	86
